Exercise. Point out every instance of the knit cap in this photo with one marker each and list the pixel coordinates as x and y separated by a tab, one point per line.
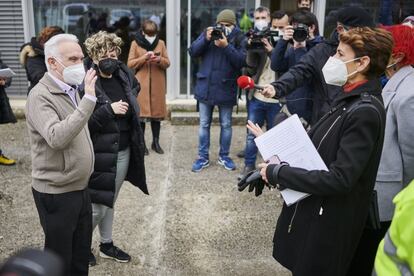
355	17
226	16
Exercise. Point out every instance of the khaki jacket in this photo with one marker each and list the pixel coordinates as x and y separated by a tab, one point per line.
61	148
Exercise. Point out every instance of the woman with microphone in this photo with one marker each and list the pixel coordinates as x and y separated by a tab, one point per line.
319	234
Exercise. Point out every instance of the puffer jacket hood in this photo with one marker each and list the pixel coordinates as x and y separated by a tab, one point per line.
30	49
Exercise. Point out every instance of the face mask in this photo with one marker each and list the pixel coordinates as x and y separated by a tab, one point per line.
150	39
73	74
335	72
391	65
227	31
108	65
260	24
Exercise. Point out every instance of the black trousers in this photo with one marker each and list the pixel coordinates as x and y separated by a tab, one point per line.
66	220
363	260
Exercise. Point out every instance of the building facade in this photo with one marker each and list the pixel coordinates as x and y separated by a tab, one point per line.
180	22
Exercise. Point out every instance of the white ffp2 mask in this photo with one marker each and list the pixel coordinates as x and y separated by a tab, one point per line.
73	74
335	72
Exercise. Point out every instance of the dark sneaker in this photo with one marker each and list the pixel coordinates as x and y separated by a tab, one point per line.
110	251
245	171
241	154
227	163
200	164
92	259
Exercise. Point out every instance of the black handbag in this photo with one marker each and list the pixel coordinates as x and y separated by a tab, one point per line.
373	220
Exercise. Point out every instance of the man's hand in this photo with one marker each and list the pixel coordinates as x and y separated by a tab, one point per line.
267	45
222	42
269	91
2	82
120	107
288	33
90	80
208	33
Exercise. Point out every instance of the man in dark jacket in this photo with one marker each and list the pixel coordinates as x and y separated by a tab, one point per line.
310	66
6	113
283	57
259	108
223	55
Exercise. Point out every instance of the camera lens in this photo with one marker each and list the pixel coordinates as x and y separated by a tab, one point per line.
300	33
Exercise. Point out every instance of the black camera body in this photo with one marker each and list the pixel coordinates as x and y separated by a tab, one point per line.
300	32
217	32
256	37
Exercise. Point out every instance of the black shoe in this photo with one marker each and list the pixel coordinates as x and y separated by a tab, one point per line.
245	171
156	146
241	154
92	259
110	251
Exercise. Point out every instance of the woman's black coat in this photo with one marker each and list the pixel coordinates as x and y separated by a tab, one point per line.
326	228
32	57
6	112
105	135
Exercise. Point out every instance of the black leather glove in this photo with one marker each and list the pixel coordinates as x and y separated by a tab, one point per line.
255	182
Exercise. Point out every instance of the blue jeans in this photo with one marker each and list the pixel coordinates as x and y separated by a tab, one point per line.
258	113
206	115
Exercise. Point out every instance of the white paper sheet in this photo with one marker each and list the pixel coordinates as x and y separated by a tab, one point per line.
6	73
290	142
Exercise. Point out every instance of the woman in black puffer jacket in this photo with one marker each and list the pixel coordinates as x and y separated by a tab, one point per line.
116	135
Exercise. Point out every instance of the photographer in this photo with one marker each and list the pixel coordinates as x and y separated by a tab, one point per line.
222	50
259	108
302	35
310	66
280	20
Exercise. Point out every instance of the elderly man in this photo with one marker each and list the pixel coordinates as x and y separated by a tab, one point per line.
62	152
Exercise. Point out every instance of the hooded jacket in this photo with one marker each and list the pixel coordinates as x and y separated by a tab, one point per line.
32	57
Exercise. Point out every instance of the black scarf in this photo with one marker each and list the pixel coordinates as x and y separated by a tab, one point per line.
143	43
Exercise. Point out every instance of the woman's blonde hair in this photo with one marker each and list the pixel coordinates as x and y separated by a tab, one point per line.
101	43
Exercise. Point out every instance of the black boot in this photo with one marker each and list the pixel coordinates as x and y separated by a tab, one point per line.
156	146
146	152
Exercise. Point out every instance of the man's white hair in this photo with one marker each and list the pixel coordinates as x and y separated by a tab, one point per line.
52	45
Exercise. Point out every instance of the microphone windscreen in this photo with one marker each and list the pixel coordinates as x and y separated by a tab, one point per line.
245	82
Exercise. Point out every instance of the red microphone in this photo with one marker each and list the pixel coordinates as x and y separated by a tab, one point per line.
245	82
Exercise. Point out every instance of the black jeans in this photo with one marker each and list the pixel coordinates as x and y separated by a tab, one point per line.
66	220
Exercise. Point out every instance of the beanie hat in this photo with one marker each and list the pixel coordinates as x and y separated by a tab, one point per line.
355	17
226	16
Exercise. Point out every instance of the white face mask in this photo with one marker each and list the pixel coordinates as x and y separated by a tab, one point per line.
73	74
150	39
335	72
260	24
228	31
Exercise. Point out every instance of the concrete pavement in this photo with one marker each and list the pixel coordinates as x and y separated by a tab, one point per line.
191	224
